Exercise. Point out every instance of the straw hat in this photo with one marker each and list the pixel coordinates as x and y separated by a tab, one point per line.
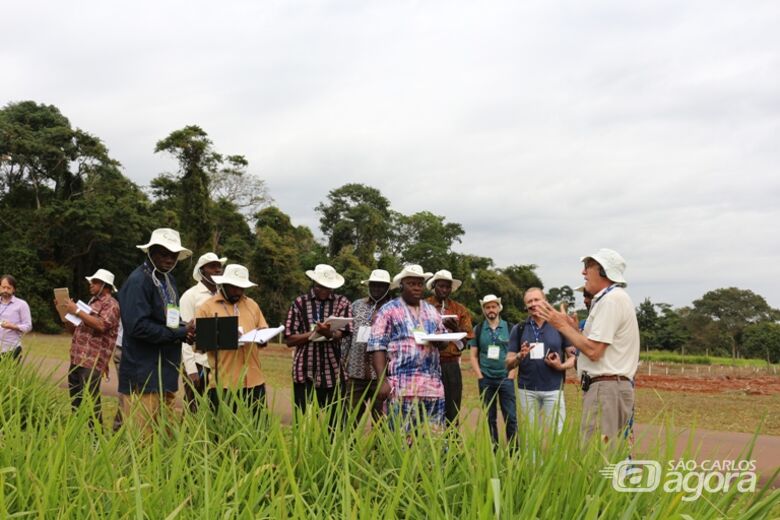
491	298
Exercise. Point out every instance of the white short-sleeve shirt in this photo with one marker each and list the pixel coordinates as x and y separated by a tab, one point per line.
612	320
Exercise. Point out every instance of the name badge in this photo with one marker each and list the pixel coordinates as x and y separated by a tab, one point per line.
172	316
493	352
537	350
363	334
418	334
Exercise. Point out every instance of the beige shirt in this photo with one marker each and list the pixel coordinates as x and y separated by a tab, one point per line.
188	306
612	320
236	368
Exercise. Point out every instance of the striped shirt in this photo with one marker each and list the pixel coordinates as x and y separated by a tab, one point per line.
318	361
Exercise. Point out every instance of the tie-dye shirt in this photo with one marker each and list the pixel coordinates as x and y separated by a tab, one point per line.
413	370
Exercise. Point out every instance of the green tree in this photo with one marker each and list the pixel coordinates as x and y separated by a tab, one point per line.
426	239
558	295
762	341
732	309
358	216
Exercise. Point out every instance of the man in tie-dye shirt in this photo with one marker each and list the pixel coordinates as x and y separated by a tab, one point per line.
407	366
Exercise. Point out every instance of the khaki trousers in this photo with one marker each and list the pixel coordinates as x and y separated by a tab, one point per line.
606	408
143	410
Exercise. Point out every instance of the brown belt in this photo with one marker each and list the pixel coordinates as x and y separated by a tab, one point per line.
609	378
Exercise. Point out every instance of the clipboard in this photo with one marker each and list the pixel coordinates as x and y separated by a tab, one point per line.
217	333
61	298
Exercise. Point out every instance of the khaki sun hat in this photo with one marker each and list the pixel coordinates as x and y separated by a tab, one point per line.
169	239
326	276
409	271
234	274
491	298
612	262
203	260
104	276
379	276
443	275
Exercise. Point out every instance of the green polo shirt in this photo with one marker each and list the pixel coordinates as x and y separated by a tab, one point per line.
492	368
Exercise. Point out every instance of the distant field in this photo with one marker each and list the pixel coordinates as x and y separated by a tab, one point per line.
673	357
728	410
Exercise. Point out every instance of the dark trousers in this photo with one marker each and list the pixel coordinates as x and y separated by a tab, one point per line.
12	354
80	382
305	392
453	390
253	397
361	394
499	392
193	390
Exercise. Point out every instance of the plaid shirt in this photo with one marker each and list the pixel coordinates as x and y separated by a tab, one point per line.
357	362
413	370
91	348
319	362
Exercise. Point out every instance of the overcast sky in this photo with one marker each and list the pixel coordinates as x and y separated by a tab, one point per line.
547	129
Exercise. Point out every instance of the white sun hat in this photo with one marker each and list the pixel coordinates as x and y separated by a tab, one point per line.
443	275
203	260
379	276
169	239
326	276
614	264
234	274
491	298
409	271
104	276
580	288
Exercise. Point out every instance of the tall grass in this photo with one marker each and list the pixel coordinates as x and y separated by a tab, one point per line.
238	465
661	356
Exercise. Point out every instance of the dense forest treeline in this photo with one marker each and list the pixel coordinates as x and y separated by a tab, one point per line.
67	209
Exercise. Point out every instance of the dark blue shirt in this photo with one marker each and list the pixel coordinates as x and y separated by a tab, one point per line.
534	374
150	350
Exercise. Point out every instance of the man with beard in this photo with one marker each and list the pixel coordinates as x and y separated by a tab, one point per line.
196	364
152	330
456	318
361	378
489	350
238	370
407	367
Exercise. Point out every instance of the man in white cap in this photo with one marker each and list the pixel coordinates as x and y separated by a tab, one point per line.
609	346
317	366
489	350
152	330
456	318
407	366
93	341
196	364
240	370
361	378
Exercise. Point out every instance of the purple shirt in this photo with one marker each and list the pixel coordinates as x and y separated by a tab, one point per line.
17	312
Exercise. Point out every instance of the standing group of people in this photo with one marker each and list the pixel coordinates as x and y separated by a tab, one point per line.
381	353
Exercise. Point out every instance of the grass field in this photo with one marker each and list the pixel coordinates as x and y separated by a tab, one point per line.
733	411
236	465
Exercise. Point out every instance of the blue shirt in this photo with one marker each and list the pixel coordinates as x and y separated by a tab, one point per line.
151	352
534	374
492	368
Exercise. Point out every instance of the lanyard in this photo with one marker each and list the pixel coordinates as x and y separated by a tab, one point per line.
606	292
317	316
418	320
537	331
495	335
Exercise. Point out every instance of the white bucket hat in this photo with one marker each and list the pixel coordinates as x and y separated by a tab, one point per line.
409	271
203	260
169	239
234	274
104	276
443	275
326	276
491	298
612	262
378	275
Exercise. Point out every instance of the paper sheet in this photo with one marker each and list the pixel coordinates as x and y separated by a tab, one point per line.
449	336
336	323
260	335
